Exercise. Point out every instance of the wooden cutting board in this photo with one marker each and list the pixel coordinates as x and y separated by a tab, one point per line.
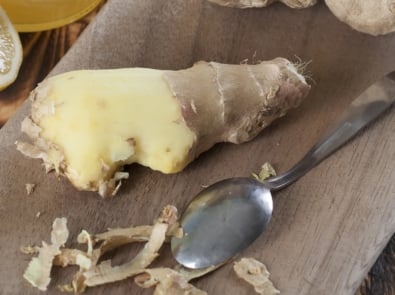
327	229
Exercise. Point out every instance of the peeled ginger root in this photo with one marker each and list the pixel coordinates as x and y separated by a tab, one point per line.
88	124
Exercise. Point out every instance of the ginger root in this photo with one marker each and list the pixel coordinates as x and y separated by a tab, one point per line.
87	125
375	17
264	3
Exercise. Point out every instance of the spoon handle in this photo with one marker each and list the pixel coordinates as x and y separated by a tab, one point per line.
363	110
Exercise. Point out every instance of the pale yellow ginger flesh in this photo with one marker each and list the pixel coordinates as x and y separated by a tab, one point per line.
264	3
375	17
98	130
266	172
88	124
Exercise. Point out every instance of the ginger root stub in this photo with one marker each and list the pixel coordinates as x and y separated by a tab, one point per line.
88	124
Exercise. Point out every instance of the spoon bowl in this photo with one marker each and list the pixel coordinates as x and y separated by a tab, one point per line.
225	218
220	215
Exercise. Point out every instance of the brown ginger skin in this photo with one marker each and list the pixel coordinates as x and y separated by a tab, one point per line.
264	3
238	101
375	17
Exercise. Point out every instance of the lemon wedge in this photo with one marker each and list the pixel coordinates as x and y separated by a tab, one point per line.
10	51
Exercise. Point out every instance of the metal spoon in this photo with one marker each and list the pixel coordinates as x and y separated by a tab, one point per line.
229	215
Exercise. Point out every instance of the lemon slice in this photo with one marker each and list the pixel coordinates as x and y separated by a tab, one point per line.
10	51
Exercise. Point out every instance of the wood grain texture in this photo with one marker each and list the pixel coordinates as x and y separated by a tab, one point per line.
327	229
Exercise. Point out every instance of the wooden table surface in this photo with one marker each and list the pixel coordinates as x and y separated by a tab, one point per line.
43	50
